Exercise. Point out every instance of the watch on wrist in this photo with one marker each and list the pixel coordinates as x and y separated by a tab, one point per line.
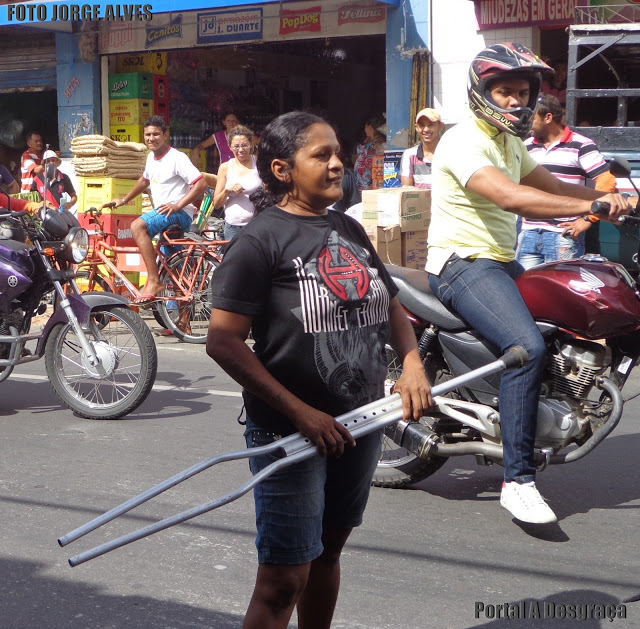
586	218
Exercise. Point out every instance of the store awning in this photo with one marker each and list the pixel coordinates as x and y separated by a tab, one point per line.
47	14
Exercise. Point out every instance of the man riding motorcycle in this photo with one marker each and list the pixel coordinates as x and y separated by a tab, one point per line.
482	177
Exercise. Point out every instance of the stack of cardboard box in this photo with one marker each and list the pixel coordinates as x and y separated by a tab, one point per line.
397	222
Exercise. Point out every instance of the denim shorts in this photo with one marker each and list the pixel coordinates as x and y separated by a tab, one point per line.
157	222
296	502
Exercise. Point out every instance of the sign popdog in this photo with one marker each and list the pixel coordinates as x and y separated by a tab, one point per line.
299	21
64	12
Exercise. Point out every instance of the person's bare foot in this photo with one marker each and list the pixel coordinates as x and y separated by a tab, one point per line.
152	288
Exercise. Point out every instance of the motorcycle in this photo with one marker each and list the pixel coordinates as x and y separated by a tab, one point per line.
99	354
588	311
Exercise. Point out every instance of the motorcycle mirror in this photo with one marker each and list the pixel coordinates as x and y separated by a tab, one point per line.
619	167
50	170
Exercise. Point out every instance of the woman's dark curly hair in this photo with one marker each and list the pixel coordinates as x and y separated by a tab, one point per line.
281	139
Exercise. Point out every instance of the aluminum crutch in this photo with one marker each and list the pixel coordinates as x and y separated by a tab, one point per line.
291	449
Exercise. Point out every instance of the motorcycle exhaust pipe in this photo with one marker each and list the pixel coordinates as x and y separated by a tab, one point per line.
424	443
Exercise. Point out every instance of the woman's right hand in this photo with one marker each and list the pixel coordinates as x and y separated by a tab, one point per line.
235	188
324	431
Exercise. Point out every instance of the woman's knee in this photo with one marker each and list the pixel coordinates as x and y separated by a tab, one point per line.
279	587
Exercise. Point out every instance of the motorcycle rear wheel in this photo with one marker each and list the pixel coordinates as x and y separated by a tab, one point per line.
397	467
200	304
125	345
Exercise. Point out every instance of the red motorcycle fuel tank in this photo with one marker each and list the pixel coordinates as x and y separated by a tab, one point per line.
594	299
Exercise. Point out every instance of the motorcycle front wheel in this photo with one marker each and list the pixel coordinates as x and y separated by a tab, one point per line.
397	467
128	364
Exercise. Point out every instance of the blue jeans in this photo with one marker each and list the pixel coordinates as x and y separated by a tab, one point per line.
294	504
536	246
231	230
484	294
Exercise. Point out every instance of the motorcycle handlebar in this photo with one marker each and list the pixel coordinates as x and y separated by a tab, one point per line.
600	207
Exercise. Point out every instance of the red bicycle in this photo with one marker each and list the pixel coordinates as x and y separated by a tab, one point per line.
186	264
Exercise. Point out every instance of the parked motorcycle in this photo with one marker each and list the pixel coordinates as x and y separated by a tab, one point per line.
588	311
100	356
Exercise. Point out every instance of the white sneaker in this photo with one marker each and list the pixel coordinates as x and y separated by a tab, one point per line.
526	504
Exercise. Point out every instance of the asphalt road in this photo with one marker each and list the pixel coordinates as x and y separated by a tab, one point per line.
443	554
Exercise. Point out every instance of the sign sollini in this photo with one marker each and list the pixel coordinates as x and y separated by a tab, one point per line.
300	21
361	13
501	13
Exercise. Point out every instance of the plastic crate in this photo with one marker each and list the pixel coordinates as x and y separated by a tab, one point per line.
130	111
152	62
117	224
95	191
127	133
130	85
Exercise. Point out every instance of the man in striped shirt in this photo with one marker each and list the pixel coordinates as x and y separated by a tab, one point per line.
572	158
31	160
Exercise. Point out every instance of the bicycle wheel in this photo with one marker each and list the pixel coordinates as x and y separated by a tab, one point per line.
99	283
188	320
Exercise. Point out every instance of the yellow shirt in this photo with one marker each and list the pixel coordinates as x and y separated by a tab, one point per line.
462	221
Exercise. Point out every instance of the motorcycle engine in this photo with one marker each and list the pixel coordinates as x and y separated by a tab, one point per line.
6	322
570	376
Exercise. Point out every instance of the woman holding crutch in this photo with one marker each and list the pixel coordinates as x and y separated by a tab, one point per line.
321	306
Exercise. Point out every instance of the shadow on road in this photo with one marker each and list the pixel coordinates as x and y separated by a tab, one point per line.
571	488
38	397
33	600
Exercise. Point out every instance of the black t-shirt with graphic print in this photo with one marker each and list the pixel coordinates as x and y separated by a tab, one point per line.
319	296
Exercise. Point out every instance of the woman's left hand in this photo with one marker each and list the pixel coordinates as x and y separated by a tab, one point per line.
414	388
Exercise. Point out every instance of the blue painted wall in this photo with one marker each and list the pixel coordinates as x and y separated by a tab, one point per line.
78	84
408	31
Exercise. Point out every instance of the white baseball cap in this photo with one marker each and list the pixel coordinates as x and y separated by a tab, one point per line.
49	155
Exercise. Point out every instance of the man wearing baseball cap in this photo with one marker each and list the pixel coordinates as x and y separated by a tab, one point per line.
55	187
415	166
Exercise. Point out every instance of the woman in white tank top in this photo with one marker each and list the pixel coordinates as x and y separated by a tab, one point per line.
237	179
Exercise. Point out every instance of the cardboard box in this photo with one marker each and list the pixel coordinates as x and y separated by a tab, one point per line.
132	111
94	191
407	206
387	242
127	133
151	62
130	85
414	249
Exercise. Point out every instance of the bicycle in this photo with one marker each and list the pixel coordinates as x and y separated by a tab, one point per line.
186	264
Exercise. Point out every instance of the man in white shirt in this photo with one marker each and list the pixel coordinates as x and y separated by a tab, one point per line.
175	183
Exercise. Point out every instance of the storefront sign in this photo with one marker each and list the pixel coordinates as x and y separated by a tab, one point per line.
504	13
361	13
156	34
117	36
215	27
308	20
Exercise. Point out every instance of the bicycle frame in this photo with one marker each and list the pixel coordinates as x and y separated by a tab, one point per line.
103	254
